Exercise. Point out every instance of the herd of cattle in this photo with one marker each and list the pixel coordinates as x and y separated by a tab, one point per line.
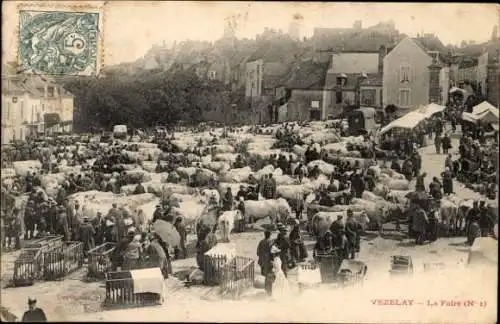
216	152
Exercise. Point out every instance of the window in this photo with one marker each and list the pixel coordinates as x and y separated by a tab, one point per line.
405	73
368	97
338	95
404	97
315	104
50	91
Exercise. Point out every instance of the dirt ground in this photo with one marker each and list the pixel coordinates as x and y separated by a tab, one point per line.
76	300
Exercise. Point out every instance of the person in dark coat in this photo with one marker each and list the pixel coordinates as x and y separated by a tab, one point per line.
437	143
86	235
241	193
337	229
395	165
419	224
62	227
158	213
264	253
181	229
227	202
472	214
156	256
419	185
446	143
352	232
486	222
447	181
297	250
435	189
34	314
29	220
283	243
408	170
474	230
139	189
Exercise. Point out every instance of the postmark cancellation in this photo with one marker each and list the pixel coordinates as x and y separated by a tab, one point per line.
60	42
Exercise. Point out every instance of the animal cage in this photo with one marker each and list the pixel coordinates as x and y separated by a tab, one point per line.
432	266
28	267
213	267
120	292
401	264
62	260
237	276
100	260
328	266
352	272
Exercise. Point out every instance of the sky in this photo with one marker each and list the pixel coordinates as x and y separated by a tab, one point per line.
131	28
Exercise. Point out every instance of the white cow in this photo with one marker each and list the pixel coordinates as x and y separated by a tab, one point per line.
226	224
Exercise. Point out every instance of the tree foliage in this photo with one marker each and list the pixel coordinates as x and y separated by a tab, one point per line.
146	100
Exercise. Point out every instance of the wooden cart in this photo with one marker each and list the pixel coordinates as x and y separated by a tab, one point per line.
100	260
62	260
29	265
120	292
401	264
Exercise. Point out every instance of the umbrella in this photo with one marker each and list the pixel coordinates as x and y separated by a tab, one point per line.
167	232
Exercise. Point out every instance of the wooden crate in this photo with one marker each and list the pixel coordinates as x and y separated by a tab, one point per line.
120	292
62	260
237	276
28	267
213	269
100	260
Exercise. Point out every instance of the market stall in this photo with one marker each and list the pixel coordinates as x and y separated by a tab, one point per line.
407	122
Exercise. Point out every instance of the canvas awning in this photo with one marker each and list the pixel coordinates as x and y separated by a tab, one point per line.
483	107
408	121
431	109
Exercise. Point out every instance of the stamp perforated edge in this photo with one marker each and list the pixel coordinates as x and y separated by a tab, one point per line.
65	6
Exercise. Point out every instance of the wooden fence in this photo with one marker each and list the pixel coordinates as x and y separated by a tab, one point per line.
62	260
120	292
100	260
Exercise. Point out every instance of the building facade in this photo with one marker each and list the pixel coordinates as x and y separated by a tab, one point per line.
347	78
26	99
406	78
254	78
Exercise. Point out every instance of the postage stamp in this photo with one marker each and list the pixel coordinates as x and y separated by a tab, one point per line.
59	42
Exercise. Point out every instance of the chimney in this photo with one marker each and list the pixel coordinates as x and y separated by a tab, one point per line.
381	54
434	86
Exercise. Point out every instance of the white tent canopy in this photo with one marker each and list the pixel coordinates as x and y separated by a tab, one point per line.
483	107
431	109
408	121
484	112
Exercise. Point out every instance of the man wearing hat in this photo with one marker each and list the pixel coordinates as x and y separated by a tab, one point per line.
158	213
486	222
352	232
337	230
283	243
132	250
34	314
298	251
86	235
181	229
